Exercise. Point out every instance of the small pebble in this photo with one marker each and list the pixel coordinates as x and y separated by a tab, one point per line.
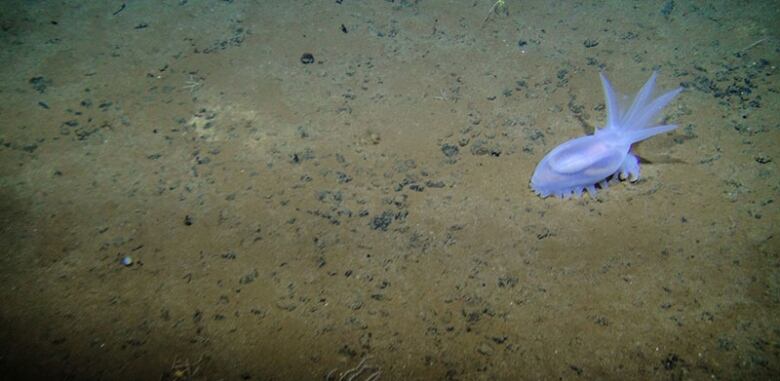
485	349
590	43
307	58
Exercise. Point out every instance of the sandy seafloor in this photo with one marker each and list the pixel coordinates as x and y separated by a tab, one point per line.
290	221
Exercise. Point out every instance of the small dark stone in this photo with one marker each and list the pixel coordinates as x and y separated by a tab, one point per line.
725	344
590	43
382	222
343	177
544	234
302	133
482	147
403	183
187	220
671	361
249	278
522	43
58	341
343	28
667	8
449	150
40	83
507	281
307	58
763	159
629	35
